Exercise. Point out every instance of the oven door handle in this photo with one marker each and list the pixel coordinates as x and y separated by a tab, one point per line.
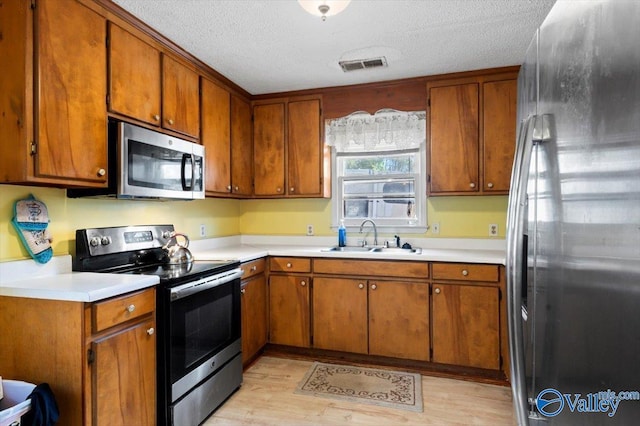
204	284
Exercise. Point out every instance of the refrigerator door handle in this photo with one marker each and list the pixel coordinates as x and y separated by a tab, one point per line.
515	257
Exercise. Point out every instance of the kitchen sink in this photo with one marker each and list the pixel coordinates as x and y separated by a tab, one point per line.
352	249
387	250
398	250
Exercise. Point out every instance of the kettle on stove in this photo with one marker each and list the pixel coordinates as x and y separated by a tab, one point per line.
176	249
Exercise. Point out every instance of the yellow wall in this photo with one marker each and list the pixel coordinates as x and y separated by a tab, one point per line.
459	217
219	216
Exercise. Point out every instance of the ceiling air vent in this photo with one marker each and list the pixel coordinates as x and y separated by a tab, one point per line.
360	64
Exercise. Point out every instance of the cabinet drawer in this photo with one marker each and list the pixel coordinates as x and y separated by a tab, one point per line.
368	267
252	268
290	264
465	272
120	309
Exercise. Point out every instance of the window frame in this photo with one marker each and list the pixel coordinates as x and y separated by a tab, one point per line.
420	186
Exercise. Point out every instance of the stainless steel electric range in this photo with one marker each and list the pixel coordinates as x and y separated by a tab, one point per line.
199	360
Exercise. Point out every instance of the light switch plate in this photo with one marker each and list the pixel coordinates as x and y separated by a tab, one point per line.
309	230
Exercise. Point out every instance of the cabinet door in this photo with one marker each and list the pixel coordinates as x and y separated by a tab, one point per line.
180	98
466	325
289	319
399	319
304	158
124	377
241	147
71	91
268	149
254	316
453	136
216	122
134	76
340	314
499	123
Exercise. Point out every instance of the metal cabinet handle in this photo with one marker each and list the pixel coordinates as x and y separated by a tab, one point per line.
289	265
228	187
303	283
360	286
150	331
156	117
373	286
102	172
254	268
278	189
131	308
243	291
237	188
465	272
490	185
170	121
472	185
436	291
292	189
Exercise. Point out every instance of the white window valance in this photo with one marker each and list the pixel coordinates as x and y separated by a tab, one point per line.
386	130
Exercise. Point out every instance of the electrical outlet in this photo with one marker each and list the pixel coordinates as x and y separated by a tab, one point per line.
203	230
493	230
435	228
309	230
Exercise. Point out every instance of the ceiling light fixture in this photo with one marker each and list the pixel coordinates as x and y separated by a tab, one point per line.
324	8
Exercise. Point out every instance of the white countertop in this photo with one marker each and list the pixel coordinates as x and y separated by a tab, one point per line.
56	281
253	247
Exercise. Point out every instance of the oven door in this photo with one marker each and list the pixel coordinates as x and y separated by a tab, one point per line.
153	164
204	329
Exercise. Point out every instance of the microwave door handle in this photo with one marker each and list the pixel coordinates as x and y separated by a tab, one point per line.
186	187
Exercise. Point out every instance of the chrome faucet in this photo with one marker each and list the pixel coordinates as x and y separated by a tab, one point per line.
375	232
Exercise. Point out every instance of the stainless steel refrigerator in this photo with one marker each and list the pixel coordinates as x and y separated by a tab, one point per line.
573	240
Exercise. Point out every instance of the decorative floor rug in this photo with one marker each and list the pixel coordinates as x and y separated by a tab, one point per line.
395	389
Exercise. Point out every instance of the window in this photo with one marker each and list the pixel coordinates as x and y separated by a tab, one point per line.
379	170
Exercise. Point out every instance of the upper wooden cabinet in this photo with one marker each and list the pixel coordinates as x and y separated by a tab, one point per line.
241	147
135	79
288	147
180	98
216	137
268	149
471	133
454	138
152	87
53	123
499	123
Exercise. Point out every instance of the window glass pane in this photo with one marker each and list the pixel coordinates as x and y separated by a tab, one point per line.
379	165
381	188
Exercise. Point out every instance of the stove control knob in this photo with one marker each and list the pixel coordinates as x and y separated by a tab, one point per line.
166	235
105	241
94	241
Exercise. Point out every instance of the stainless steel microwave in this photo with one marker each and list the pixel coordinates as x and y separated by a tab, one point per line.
150	165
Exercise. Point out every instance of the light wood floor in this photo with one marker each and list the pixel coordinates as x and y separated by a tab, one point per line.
267	398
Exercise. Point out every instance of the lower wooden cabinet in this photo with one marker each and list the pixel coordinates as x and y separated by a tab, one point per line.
124	376
387	318
466	325
99	358
441	312
289	315
254	316
399	319
340	314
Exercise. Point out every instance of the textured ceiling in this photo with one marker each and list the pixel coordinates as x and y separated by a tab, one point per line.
275	46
